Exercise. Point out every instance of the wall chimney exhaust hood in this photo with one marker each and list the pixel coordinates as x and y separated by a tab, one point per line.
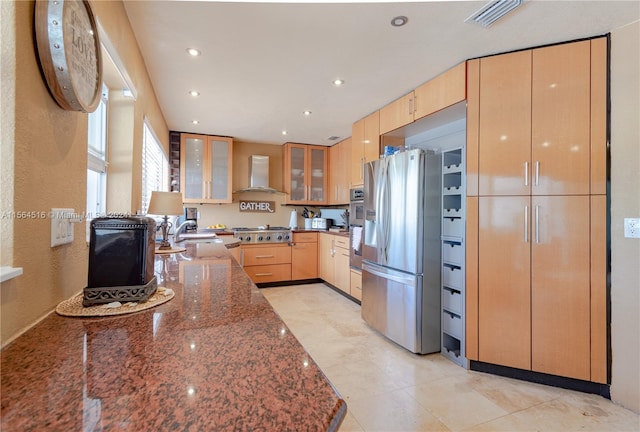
259	175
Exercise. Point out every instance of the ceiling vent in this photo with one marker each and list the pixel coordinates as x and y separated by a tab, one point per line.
493	11
333	138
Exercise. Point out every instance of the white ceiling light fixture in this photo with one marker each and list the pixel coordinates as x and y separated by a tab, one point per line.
284	132
194	52
399	21
306	113
195	121
194	93
338	82
493	11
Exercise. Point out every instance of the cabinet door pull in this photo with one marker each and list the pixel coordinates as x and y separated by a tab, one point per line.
415	103
526	224
264	256
537	172
264	274
410	101
537	224
526	173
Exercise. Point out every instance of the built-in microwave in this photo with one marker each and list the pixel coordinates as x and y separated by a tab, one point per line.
356	207
356	224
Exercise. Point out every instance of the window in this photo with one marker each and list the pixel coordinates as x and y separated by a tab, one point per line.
97	158
155	167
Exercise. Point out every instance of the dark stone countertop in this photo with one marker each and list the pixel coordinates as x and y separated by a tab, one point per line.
215	357
336	233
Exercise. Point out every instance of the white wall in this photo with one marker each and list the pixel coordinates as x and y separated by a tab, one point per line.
625	202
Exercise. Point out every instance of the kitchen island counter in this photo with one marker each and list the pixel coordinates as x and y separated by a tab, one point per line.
215	357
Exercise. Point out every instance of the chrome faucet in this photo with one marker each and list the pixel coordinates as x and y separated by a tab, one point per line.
176	234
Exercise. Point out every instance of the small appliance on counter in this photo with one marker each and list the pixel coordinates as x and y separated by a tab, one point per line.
191	213
320	223
121	255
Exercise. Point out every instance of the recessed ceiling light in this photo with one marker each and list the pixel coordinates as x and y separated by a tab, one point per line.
195	121
306	112
194	52
399	21
338	82
284	132
194	93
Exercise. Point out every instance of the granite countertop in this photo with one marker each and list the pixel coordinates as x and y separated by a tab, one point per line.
337	233
215	357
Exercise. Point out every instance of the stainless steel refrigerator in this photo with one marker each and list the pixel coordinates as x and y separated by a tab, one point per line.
401	250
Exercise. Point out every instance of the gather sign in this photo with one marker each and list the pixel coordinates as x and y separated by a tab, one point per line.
258	206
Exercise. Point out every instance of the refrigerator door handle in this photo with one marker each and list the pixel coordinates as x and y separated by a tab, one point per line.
386	274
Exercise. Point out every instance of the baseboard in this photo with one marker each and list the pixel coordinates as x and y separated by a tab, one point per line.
542	378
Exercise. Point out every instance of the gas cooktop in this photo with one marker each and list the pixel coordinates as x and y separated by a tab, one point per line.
267	234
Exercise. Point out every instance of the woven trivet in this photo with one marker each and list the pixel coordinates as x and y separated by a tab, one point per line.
73	306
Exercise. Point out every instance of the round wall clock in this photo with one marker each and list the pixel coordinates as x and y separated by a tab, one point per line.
69	51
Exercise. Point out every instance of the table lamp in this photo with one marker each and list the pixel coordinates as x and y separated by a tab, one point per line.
165	204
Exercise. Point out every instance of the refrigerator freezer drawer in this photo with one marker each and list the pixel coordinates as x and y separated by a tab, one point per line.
452	276
452	324
392	303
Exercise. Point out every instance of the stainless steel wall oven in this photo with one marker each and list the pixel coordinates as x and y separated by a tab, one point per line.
356	223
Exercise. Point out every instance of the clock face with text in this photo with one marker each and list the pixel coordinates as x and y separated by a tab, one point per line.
69	51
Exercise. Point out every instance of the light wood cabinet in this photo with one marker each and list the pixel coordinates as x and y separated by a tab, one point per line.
305	174
339	172
325	258
304	256
560	289
334	261
441	92
270	263
535	113
206	168
504	305
365	146
560	113
397	114
356	284
505	128
342	271
536	284
235	253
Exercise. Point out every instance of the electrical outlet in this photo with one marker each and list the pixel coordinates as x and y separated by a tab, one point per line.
632	227
61	226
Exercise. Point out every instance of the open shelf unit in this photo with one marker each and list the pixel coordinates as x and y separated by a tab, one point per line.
453	255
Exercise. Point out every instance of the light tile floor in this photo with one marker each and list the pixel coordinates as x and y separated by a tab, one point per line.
387	388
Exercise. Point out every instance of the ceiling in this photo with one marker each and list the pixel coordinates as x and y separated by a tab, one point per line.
264	64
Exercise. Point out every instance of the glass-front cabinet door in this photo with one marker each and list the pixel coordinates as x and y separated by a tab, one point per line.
305	173
205	168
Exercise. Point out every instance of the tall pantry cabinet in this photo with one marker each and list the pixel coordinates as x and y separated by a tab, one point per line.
536	210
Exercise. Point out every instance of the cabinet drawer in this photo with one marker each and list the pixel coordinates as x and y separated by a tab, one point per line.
305	237
452	252
452	276
269	273
266	255
341	242
452	324
452	300
453	226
